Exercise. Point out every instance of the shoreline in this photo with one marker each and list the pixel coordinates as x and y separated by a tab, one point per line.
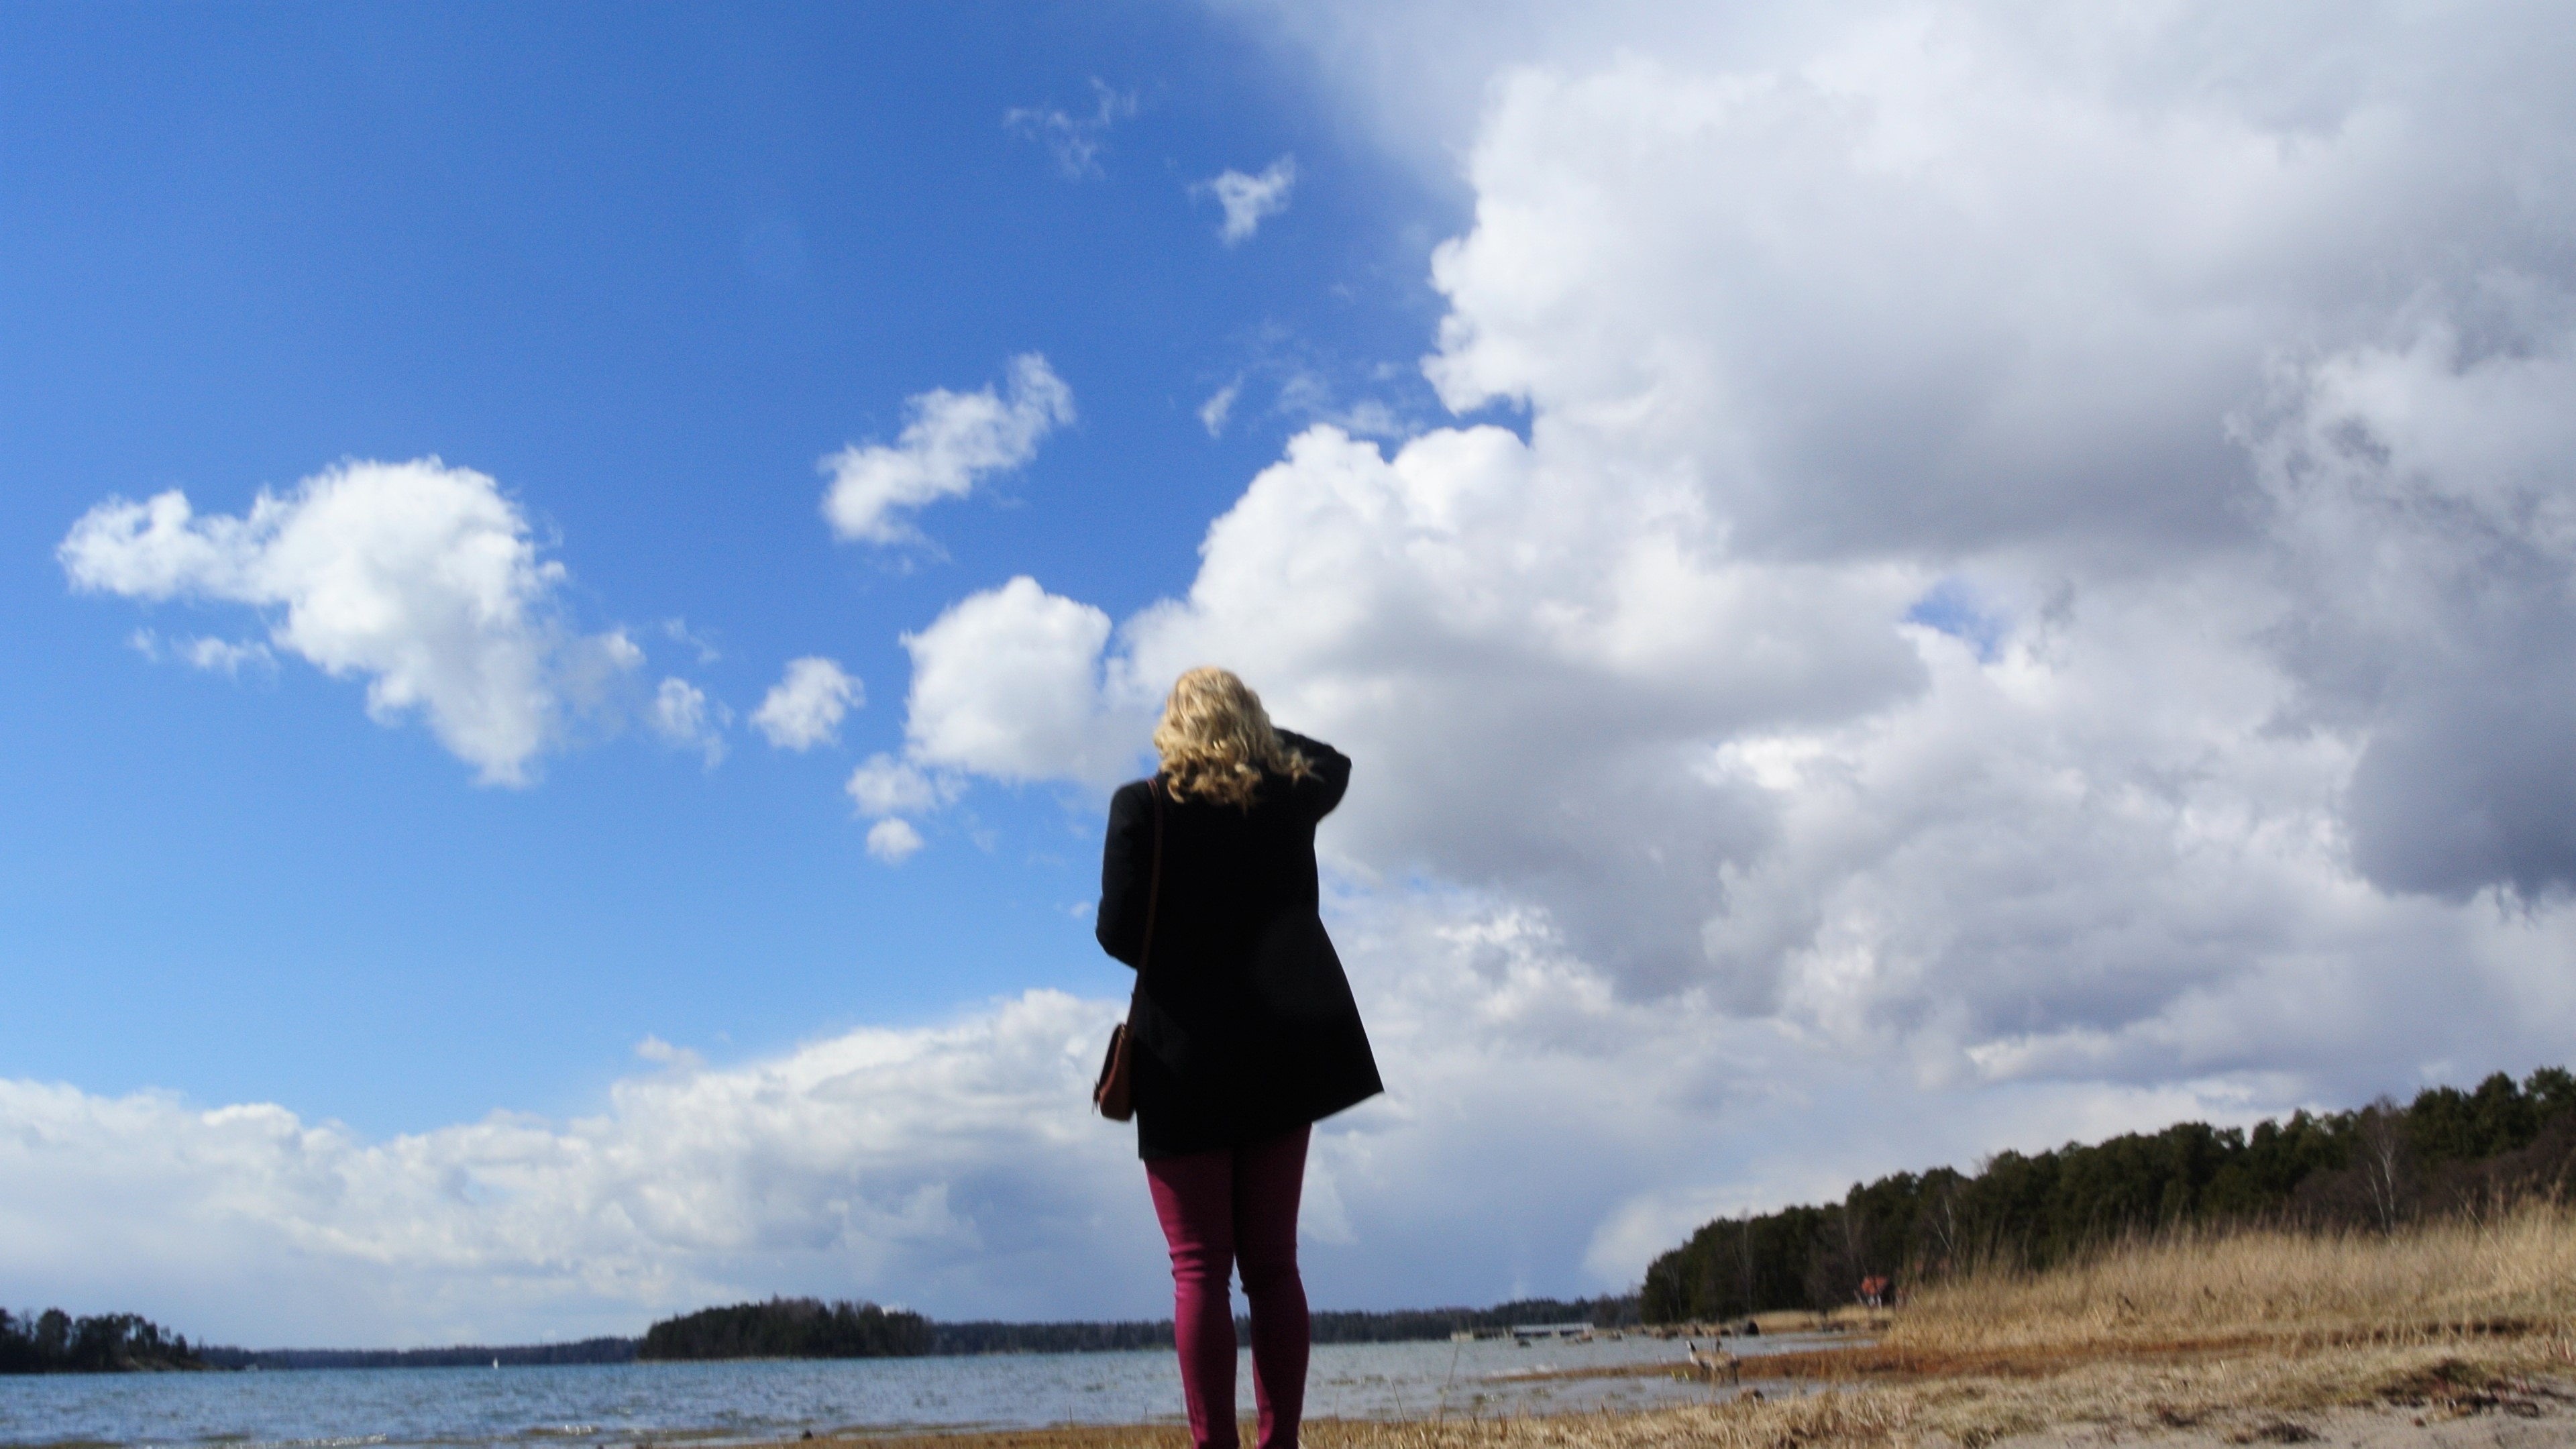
2440	1391
2490	1384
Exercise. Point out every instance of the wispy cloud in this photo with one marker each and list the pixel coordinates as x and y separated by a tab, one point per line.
699	640
953	439
226	657
1308	396
683	715
1249	200
1284	376
1075	141
1219	407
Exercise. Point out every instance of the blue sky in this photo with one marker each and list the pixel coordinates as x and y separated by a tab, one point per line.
643	268
1901	583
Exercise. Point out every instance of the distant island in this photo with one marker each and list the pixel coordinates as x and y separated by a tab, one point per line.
788	1328
809	1328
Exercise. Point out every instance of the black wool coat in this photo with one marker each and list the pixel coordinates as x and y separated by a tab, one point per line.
1245	1027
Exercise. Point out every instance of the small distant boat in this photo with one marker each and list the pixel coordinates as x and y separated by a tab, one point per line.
496	1363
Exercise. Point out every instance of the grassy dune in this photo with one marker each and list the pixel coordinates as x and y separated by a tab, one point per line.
2459	1328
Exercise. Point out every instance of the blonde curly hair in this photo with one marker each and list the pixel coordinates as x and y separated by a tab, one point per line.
1216	740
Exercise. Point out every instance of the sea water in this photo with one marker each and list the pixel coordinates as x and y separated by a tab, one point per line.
591	1405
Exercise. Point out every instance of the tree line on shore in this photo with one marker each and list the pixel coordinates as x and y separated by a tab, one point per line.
467	1355
809	1328
54	1342
1406	1325
780	1328
2375	1168
1400	1325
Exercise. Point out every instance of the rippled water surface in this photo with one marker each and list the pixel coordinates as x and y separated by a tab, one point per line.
625	1404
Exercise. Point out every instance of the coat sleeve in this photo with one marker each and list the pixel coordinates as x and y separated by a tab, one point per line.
1320	791
1126	862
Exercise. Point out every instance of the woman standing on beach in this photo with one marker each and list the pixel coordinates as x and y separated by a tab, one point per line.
1245	1031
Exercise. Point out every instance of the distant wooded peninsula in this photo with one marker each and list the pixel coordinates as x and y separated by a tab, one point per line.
55	1342
2375	1169
807	1328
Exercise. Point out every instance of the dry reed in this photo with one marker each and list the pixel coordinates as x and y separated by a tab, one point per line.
2512	1271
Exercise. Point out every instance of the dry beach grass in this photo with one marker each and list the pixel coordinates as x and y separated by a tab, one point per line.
2512	1272
2452	1333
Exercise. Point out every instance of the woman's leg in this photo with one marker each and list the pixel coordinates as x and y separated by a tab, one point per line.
1194	1196
1267	1179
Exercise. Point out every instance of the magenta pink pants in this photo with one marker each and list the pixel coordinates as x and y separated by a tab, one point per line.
1236	1206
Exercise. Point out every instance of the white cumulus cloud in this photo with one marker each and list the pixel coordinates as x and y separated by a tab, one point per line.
893	840
885	789
951	440
955	1167
888	786
420	578
2031	602
1007	683
806	706
952	1164
2035	545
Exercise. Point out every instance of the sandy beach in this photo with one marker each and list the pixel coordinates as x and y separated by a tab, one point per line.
2430	1397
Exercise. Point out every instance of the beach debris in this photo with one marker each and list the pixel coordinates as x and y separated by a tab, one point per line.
2276	1431
1714	1361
